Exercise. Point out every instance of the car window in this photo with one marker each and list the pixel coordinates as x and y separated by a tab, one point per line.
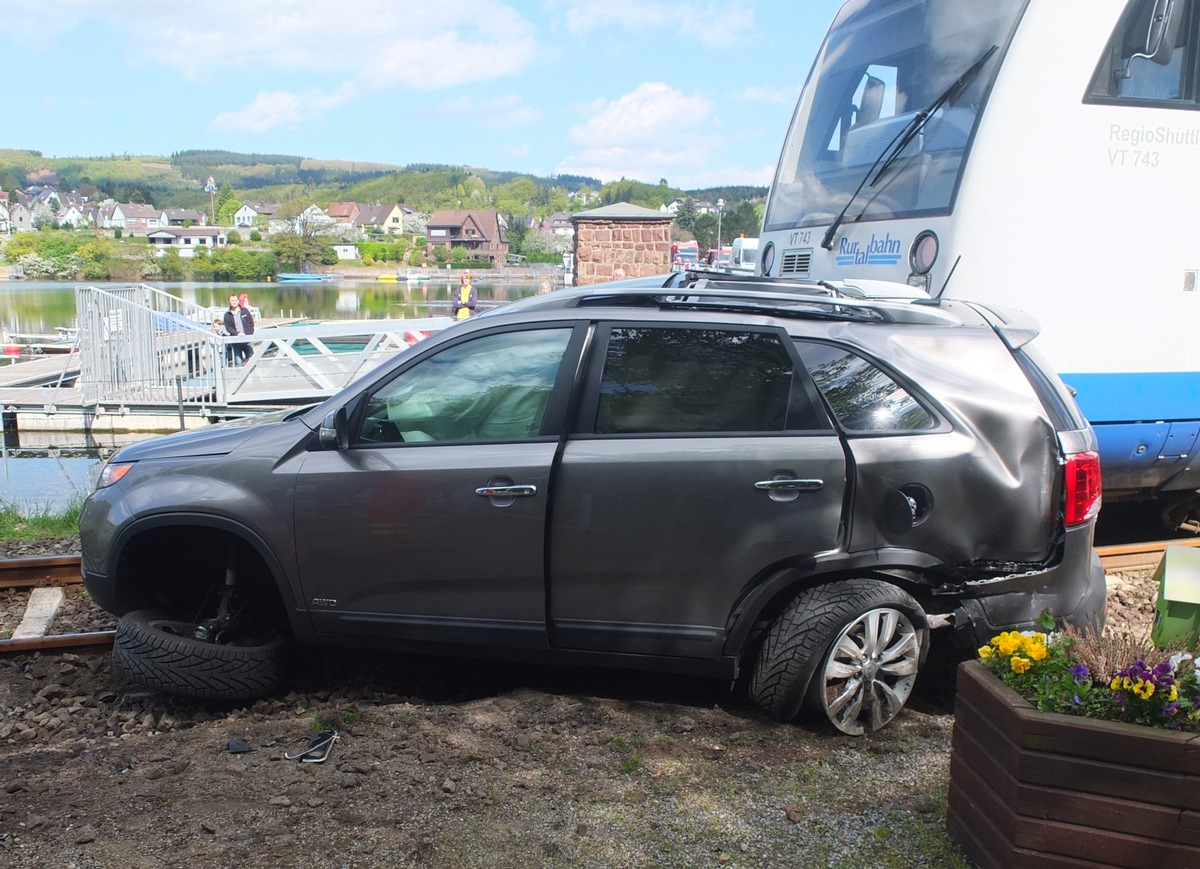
660	380
495	387
863	396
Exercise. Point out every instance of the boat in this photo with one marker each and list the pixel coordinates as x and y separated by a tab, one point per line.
305	278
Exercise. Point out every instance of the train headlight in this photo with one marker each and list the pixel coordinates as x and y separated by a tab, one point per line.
924	252
767	260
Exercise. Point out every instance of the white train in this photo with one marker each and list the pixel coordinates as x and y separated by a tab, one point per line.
1040	154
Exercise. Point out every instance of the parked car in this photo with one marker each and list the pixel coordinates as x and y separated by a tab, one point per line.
790	483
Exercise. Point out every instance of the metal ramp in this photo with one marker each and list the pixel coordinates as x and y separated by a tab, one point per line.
142	346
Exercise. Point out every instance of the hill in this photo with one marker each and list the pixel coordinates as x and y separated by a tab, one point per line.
178	180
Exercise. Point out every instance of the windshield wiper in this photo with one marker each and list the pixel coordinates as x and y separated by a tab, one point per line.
902	139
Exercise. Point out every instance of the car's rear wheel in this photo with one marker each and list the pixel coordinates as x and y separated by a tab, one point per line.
159	650
850	650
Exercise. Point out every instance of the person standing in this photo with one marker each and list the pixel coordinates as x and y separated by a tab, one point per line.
466	299
239	321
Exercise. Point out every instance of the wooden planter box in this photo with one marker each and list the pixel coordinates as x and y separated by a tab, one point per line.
1038	789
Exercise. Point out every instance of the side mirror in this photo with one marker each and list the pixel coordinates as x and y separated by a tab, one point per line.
334	433
1164	29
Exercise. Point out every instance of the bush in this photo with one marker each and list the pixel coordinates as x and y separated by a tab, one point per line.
233	237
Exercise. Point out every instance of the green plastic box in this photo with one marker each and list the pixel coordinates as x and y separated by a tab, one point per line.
1177	613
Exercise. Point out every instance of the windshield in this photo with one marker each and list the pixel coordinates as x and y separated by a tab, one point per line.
884	61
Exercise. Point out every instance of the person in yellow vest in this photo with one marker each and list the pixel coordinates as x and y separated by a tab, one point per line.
466	299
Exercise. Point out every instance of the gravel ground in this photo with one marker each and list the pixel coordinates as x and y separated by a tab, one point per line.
453	764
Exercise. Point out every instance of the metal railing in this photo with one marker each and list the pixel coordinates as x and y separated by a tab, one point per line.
140	345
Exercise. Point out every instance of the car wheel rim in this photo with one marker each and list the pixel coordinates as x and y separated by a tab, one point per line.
870	670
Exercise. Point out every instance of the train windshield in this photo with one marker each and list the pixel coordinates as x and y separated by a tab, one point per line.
893	99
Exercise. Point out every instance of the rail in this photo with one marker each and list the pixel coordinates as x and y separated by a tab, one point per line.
66	570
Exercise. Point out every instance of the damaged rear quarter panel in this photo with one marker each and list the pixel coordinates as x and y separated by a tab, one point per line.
990	467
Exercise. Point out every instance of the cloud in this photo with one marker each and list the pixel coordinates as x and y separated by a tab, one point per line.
650	113
648	133
711	23
368	47
270	109
413	45
502	112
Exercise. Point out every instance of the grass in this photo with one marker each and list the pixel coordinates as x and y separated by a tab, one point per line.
39	523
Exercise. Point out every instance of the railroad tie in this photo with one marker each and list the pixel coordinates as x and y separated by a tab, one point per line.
39	613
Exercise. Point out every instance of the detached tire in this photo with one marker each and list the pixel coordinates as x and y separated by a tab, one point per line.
850	651
155	649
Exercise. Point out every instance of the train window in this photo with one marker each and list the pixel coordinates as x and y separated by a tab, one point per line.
1150	57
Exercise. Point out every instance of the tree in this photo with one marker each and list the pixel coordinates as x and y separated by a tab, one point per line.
517	231
304	241
686	215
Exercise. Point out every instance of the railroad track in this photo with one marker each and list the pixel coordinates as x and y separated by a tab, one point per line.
57	571
45	577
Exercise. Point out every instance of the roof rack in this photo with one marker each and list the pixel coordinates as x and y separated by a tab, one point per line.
809	300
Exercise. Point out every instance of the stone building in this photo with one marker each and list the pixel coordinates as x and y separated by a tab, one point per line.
635	239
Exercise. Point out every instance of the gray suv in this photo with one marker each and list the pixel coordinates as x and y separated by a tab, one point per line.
791	484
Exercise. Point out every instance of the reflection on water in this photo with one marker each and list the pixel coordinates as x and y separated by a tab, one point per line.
34	485
28	307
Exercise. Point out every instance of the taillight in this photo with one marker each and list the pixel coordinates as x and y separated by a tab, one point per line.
1083	488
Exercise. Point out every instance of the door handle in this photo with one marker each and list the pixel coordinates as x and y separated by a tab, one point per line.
517	491
790	485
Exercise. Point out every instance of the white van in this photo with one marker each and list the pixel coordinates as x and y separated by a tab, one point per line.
745	255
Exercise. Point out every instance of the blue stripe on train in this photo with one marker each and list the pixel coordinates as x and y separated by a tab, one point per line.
1149	428
1141	397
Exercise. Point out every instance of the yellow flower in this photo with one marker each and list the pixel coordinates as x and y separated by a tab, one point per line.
1143	689
985	652
1019	664
1037	652
1172	695
1127	684
1115	684
1008	642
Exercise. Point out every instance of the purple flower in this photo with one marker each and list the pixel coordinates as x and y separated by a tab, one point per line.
1170	709
1119	697
1081	673
1075	699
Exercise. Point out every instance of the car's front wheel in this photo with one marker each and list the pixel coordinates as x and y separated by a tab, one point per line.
159	650
849	650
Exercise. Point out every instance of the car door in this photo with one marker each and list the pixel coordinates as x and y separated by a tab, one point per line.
431	525
702	458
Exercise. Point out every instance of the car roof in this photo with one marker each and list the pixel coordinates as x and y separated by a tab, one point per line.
850	301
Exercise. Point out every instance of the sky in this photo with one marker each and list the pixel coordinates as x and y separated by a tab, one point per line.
699	92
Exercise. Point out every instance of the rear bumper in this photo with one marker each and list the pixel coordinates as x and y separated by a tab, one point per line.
1075	593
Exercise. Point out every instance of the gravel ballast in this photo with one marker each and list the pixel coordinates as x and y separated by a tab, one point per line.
459	763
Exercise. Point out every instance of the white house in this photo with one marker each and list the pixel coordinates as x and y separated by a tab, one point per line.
133	217
254	214
186	240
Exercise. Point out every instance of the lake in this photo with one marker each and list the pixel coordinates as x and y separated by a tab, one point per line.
29	307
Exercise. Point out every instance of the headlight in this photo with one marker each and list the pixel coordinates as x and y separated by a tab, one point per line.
767	261
924	252
112	472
